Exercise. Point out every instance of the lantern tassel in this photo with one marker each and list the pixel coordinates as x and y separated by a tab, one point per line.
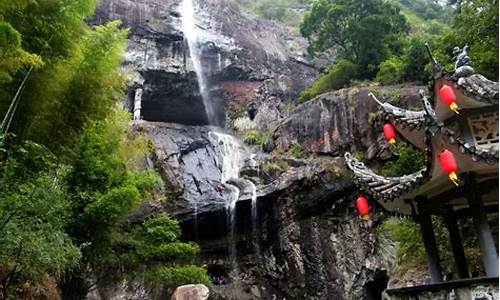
366	217
454	178
392	141
454	108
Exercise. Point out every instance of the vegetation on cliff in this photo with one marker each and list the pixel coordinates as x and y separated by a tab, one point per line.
385	41
69	168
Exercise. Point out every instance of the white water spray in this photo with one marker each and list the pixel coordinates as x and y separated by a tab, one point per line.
255	234
229	148
230	151
231	208
192	34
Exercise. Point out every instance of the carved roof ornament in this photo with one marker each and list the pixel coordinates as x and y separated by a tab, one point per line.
471	135
407	118
387	188
463	63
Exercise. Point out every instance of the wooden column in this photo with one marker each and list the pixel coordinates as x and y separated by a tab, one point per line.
450	222
489	254
431	251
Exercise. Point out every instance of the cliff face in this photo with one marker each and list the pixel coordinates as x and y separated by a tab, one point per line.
244	60
274	226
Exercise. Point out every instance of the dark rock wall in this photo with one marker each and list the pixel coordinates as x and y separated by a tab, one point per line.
237	51
343	120
313	246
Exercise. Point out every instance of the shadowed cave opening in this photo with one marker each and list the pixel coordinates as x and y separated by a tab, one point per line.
375	287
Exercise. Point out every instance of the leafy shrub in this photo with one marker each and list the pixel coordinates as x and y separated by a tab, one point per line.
410	249
409	160
275	166
391	71
298	151
176	276
254	137
337	77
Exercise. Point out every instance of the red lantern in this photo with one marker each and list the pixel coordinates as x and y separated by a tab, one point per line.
390	133
449	165
363	207
448	97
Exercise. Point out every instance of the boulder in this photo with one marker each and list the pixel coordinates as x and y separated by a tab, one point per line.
343	120
191	292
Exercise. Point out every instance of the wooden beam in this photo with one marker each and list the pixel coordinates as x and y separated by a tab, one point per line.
450	222
431	251
489	254
434	205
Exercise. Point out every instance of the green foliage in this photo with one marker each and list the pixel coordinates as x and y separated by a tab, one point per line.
34	210
409	160
275	166
363	32
428	10
337	77
85	87
477	26
254	137
391	71
410	251
13	57
49	27
103	188
65	216
281	10
157	241
151	251
176	276
298	151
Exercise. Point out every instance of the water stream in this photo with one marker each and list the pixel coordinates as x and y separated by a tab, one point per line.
229	148
255	233
192	33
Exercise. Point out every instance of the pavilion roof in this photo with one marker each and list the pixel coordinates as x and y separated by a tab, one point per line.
479	88
427	129
386	188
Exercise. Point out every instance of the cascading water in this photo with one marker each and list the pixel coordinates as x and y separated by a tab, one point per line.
192	34
231	157
231	208
229	148
255	236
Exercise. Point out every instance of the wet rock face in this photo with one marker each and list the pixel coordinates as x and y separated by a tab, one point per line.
315	247
236	51
343	120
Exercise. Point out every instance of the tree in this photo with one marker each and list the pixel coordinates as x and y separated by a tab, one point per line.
33	212
157	257
12	55
338	76
104	189
477	26
74	91
363	32
49	28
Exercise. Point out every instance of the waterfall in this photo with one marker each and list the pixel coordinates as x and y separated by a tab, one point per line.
229	148
231	208
192	35
255	233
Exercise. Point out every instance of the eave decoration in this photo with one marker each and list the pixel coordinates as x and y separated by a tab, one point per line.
460	118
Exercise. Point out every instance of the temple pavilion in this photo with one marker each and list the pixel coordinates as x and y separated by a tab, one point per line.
458	132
